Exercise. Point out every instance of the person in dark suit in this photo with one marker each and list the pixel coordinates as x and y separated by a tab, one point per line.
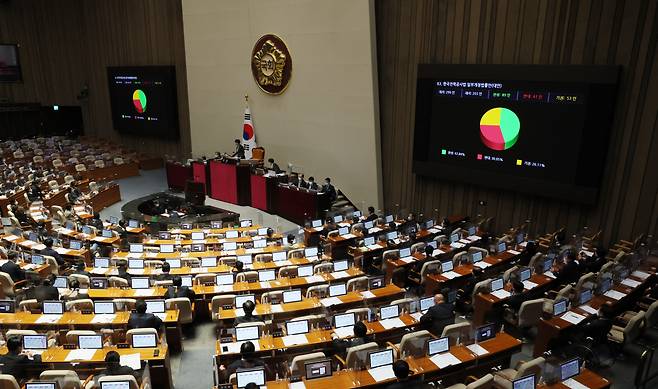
401	371
372	216
21	215
438	316
164	276
248	360
122	268
239	150
112	359
51	252
274	166
35	193
15	362
238	268
141	319
329	189
569	271
96	222
301	182
74	194
46	291
80	269
360	337
517	298
248	307
177	290
311	184
11	268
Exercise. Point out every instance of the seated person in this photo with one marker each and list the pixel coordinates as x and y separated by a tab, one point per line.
401	371
238	268
122	267
360	337
164	276
517	298
439	315
249	317
11	268
372	216
46	291
112	359
80	269
96	222
74	292
569	272
177	290
15	362
248	359
51	252
141	319
311	184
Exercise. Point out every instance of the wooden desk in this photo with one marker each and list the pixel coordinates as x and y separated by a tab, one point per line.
177	175
112	172
105	197
202	254
230	182
299	205
27	244
72	234
586	377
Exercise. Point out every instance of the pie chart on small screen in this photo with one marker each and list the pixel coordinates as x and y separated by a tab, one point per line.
499	128
139	100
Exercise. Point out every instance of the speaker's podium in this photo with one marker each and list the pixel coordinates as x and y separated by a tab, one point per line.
230	182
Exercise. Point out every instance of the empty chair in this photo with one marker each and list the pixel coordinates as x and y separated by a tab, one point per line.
426	269
7	285
263	258
355	354
93	186
80	167
69	179
72	335
82	279
403	303
20	332
205	279
184	307
504	378
412	343
52	263
140	331
317	291
218	302
332	234
247	276
191	262
296	253
418	248
57	163
456	331
80	305
651	316
357	284
391	255
630	332
288	271
124	304
229	260
461	257
297	364
326	267
360	314
8	382
485	382
53	185
562	294
120	378
273	297
118	282
29	305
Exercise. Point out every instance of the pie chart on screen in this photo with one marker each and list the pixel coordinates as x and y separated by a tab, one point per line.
139	100
499	128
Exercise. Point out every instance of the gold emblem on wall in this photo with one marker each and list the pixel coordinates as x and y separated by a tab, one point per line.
271	64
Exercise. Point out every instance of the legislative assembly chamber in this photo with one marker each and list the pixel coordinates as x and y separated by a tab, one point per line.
449	194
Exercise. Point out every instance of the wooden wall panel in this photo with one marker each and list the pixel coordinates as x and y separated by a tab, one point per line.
560	32
67	44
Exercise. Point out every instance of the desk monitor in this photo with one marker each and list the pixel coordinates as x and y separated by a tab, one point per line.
244	377
310	252
107	233
438	346
380	358
426	303
98	283
167	248
338	218
224	279
476	256
197	247
155	306
316	223
230	246
527	382
70	225
266	275
40	385
34	237
343	231
430	224
208	262
139	283
279	256
337	290
7	306
164	235
53	307
569	369
104	308
452	296
136	248
524	274
185	226
37	259
292	296
246	259
115	385
296	327
135	263
198	235
368	224
392	235
368	240
186	281
501	247
472	230
454	238
547	265
305	271
344	320
485	332
376	282
216	224
35	342
389	312
356	214
447	266
243	298
133	223
145	340
75	245
585	296
405	252
245	223
497	284
520	238
388	218
318	369
262	231
114	220
605	284
102	262
260	243
232	234
341	265
243	334
86	230
174	263
61	282
559	307
94	342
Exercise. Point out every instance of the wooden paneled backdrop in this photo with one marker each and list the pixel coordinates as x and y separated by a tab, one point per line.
606	32
67	44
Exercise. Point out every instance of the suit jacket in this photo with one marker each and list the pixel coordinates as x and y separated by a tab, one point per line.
313	185
330	190
372	217
163	277
42	293
52	253
16	365
144	320
437	317
245	364
118	370
183	291
239	151
247	319
14	271
409	383
569	273
276	168
515	301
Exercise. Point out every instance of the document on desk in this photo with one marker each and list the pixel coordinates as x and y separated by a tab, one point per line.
344	332
529	284
366	294
501	294
514	252
234	347
348	236
417	315
80	354
134	255
444	360
482	265
136	271
292	340
143	292
314	279
433	230
297	385
264	284
196	270
276	308
340	274
588	309
392	323
312	259
477	349
588	253
224	288
329	301
48	319
317	229
464	241
573	384
549	274
640	274
11	238
572	317
437	252
98	270
382	373
131	360
613	294
373	246
473	238
407	259
457	245
632	283
374	230
450	275
104	318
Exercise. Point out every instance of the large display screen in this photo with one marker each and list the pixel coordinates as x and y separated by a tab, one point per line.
534	129
143	100
10	68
